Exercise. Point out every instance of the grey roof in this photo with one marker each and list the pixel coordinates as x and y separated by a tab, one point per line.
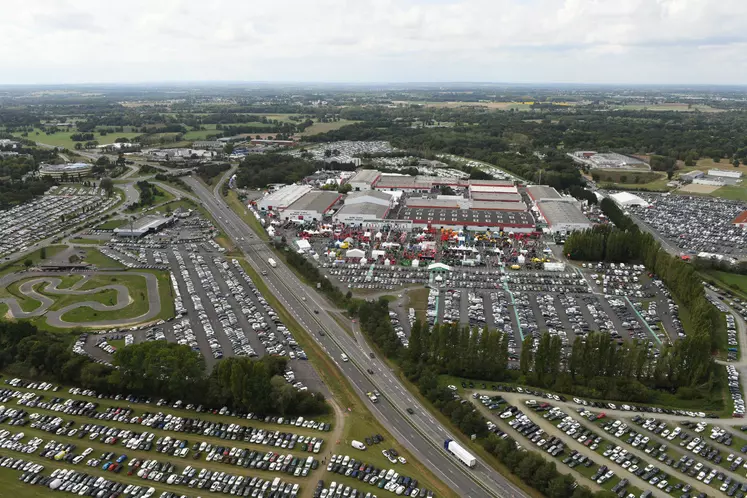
562	212
496	196
404	181
365	176
316	200
466	217
364	208
499	206
540	192
370	193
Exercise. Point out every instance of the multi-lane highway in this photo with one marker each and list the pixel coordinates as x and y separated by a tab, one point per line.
420	432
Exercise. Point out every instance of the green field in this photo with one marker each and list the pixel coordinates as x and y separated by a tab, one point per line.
111	224
161	197
733	281
733	192
34	257
317	127
97	258
62	138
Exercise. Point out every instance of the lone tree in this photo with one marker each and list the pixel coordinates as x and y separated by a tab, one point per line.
28	263
108	185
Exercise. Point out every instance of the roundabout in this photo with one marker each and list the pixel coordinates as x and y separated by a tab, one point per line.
97	299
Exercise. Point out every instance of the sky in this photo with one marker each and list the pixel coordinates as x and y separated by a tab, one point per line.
509	41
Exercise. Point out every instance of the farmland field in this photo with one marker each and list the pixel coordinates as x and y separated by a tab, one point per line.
669	106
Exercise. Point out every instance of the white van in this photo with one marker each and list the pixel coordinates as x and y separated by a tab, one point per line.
358	445
344	357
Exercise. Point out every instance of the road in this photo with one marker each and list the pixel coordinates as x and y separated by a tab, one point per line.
420	432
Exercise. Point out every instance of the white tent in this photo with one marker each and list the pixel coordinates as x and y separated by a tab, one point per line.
364	261
378	235
415	263
303	245
387	262
377	254
354	253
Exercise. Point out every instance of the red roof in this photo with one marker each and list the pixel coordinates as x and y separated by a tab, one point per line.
741	218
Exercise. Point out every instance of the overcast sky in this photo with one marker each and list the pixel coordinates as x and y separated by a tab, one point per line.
522	41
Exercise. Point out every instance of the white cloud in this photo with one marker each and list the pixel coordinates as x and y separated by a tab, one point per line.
592	41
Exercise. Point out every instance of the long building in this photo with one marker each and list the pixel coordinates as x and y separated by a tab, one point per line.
71	170
562	216
143	226
312	206
282	198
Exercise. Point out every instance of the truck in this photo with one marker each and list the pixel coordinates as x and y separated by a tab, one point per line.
458	451
358	445
272	262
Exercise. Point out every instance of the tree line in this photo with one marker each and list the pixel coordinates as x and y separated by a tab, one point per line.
157	369
529	466
210	171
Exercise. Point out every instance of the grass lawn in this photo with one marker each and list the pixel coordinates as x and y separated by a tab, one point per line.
359	421
108	297
138	292
707	163
644	180
26	303
96	257
35	258
732	281
239	208
82	240
111	224
161	197
117	343
317	128
68	281
62	138
418	299
174	205
733	192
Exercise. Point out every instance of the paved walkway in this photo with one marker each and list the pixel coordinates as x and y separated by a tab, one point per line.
54	317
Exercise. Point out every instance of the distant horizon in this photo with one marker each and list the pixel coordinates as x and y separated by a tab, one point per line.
402	84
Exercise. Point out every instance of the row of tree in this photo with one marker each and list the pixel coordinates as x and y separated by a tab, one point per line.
158	369
529	466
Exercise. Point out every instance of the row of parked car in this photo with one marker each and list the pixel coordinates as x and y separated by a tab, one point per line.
388	479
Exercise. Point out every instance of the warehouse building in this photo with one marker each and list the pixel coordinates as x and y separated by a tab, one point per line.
741	220
369	197
282	197
477	220
71	170
495	197
312	206
625	199
562	217
539	193
498	206
143	226
422	184
719	173
361	214
364	179
691	175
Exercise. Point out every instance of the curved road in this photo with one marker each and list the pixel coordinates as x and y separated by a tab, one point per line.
54	318
420	432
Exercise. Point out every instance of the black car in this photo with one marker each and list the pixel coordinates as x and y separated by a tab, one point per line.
410	411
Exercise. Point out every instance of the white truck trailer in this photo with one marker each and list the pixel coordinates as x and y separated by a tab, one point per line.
458	451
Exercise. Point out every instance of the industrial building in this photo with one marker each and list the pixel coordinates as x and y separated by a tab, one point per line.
608	160
70	170
282	197
626	199
691	175
741	220
709	180
495	197
719	173
361	214
539	193
369	197
143	226
562	217
422	184
477	220
208	144
364	179
311	206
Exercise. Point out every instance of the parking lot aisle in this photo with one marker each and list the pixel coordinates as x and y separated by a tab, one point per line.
571	443
697	485
563	469
191	311
564	320
680	450
244	322
463	307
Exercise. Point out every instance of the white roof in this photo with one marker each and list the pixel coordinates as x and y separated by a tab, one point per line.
628	199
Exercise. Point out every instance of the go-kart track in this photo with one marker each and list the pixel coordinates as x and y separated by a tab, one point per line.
51	282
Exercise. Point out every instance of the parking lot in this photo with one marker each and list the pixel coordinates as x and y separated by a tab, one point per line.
696	223
60	208
131	445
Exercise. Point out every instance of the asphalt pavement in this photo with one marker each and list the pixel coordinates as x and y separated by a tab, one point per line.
420	432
